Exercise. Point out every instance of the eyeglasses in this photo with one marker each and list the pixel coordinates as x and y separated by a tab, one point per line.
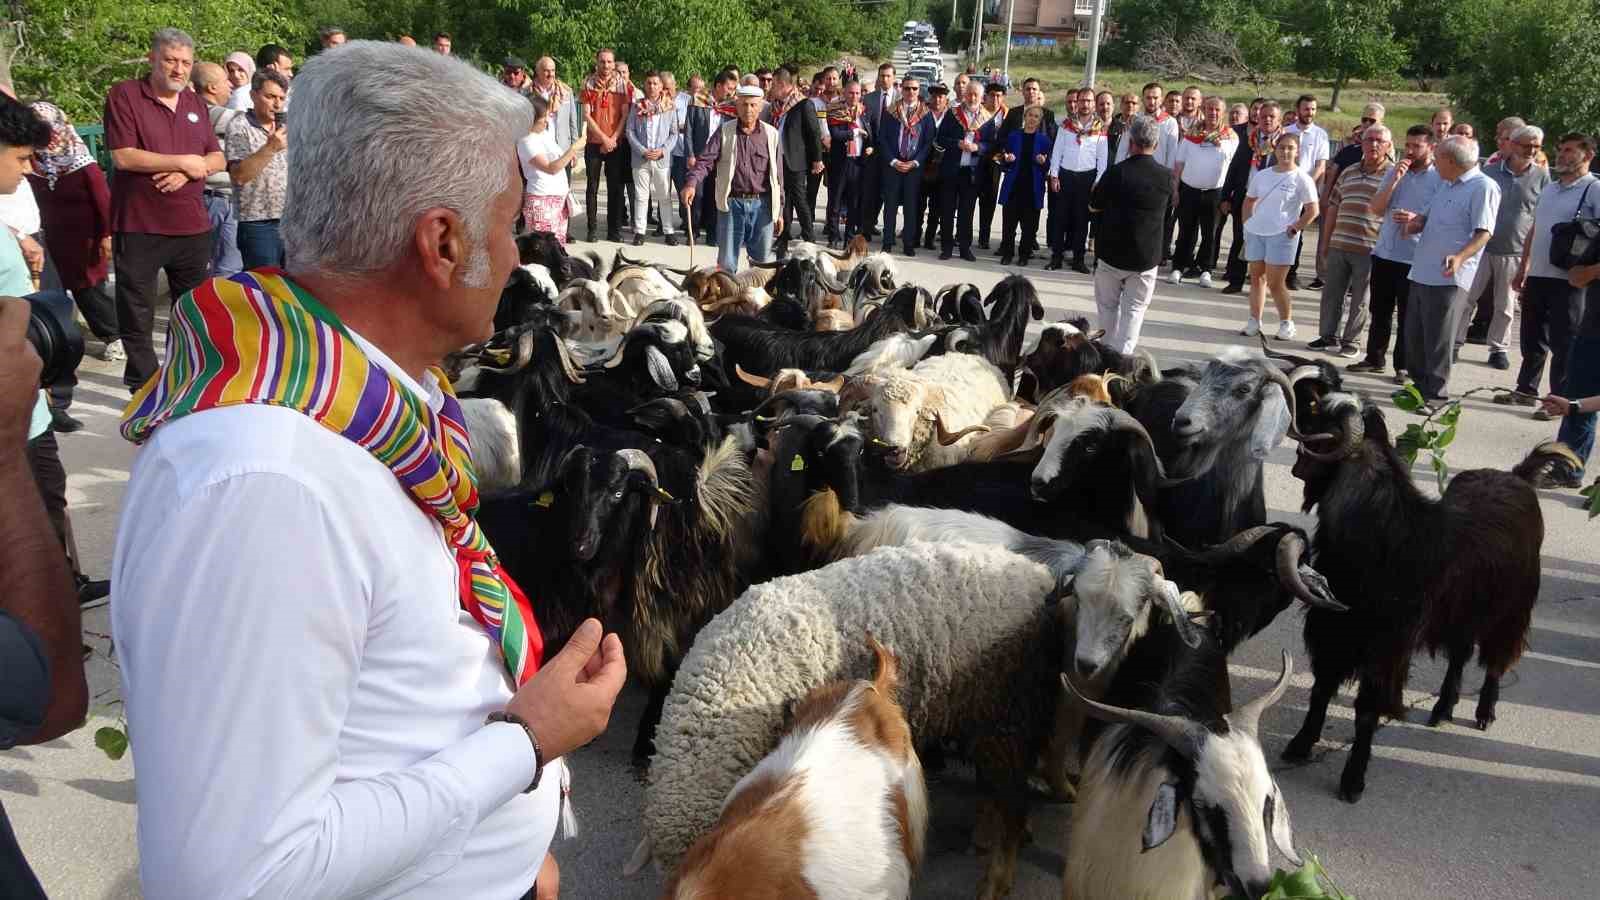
1368	120
1529	146
909	88
1376	140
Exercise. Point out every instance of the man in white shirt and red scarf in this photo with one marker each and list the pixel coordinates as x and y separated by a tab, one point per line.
1077	161
1203	161
333	688
850	151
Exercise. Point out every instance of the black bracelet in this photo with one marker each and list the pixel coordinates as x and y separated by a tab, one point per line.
538	752
1574	408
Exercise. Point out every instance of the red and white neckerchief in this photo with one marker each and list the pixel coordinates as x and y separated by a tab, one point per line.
1161	116
1261	148
1095	128
910	126
776	111
1199	135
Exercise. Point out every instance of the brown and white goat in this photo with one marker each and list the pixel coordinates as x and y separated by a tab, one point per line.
838	810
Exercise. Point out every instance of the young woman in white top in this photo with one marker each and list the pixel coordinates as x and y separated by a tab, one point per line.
1278	205
545	205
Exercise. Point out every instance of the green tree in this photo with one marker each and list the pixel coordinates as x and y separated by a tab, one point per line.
1435	34
1347	39
1540	62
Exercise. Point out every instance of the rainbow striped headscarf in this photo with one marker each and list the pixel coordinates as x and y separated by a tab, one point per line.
257	337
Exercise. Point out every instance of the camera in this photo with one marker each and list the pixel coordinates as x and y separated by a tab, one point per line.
54	334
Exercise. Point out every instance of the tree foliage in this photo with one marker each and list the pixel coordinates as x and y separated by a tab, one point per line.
1255	34
1347	39
1540	62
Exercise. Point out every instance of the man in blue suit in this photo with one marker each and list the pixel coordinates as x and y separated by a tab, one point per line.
903	143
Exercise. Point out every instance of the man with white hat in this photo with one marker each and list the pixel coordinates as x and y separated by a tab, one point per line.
748	185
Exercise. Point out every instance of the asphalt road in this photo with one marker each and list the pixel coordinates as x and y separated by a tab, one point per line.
1449	812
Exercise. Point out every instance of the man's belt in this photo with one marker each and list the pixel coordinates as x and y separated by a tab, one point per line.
747	195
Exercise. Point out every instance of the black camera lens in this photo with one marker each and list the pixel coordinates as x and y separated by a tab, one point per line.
54	335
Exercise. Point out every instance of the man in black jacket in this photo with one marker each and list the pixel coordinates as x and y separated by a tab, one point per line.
1131	197
994	114
800	144
878	103
946	132
1254	153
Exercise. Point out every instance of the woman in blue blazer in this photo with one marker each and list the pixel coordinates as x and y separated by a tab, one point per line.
1024	162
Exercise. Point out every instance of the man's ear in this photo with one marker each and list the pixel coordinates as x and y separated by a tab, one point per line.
440	239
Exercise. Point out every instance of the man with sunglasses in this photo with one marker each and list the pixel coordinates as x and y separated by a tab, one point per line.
904	140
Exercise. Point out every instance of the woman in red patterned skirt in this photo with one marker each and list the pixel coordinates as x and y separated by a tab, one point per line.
547	198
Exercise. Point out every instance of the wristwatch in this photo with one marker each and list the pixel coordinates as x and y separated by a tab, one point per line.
1573	409
538	752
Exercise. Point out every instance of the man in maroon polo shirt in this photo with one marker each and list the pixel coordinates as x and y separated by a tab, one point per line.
162	145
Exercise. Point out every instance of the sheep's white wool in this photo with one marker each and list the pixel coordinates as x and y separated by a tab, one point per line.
541	277
941	607
1234	355
495	452
897	351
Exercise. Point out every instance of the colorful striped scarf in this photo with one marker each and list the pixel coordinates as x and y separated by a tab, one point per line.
257	337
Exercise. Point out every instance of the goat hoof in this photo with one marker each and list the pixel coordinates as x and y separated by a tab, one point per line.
1351	793
1297	751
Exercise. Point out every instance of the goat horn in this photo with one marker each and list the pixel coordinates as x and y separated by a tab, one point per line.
1352	430
834	285
1244	539
523	357
1284	384
946	438
567	368
775	264
1291	547
835	384
1247	718
1172	602
616	358
752	380
1182	735
639	461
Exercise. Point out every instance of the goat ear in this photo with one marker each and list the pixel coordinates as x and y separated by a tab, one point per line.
1163	818
1097	334
660	369
1282	834
1272	423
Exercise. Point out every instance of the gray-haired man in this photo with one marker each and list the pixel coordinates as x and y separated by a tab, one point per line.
1521	182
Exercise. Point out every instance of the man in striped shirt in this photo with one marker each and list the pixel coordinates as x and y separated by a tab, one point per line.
1348	259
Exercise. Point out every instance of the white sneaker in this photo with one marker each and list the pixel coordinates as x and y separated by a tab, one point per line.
1205	279
1251	328
113	351
1174	277
1286	330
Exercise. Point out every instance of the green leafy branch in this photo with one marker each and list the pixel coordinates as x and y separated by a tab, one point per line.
1435	433
1309	882
1591	494
111	739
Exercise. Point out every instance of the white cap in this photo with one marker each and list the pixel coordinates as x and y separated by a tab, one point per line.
750	90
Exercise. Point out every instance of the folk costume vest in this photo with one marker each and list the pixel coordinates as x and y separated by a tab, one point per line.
258	338
728	134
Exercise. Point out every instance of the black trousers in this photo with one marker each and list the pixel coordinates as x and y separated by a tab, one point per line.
901	196
44	459
140	258
1294	267
1236	270
957	195
844	196
874	173
1020	211
988	195
794	201
930	211
1551	311
1197	219
615	165
1390	290
813	189
1168	222
1068	228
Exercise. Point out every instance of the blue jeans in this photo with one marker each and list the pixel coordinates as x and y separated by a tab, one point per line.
1583	380
260	245
225	259
747	224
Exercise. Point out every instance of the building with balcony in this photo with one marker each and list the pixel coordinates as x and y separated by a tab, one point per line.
1045	23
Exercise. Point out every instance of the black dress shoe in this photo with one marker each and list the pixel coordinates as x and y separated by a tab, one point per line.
1316	284
63	423
1055	263
1079	267
967	255
1023	260
1005	259
945	254
1232	288
983	245
92	594
614	236
590	237
911	251
638	240
672	240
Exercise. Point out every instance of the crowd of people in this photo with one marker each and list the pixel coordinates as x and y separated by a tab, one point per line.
203	188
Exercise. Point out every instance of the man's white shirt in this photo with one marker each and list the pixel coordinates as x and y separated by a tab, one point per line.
1313	145
1075	152
305	694
1205	165
1166	152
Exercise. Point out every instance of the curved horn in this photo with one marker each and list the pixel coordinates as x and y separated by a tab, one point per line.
1172	602
676	284
945	438
1352	431
567	368
616	358
1284	384
834	285
639	461
752	380
775	264
835	384
524	355
1180	734
1290	548
1248	717
1244	540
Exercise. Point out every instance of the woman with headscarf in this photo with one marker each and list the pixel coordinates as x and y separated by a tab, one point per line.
241	68
75	211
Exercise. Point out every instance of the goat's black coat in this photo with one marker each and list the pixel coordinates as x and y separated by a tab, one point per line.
761	348
1013	302
1418	574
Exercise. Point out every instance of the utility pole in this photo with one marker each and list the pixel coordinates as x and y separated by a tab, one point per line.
1005	64
977	32
1094	42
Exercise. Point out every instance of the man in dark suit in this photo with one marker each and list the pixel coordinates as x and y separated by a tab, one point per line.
1032	95
852	148
878	104
904	139
701	121
800	143
1254	154
964	157
945	134
994	113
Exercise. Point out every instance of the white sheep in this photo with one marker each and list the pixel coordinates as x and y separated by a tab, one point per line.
918	416
980	648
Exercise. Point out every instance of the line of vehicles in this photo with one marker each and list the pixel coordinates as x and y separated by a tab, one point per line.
919	53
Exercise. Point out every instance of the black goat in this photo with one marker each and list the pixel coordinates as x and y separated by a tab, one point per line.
802	281
543	248
1068	349
999	337
1452	574
761	348
960	304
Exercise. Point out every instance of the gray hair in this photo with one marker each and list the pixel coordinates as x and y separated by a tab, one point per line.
1383	129
374	147
1528	133
1511	124
1460	150
1144	132
170	37
1377	110
328	31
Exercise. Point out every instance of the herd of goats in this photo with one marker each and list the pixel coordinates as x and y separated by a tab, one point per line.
847	526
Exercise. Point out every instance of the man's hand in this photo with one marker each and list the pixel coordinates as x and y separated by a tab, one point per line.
277	139
816	167
1041	159
194	167
688	195
167	182
568	701
105	249
968	147
1554	406
1055	184
608	145
547	884
1402	167
1519	281
1010	157
1225	207
1452	263
1577	276
691	161
19	376
32	253
1402	217
777	226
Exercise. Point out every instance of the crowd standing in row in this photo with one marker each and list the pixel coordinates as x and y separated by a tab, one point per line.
1127	174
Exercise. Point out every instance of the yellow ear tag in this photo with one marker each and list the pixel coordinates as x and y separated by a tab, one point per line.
545	500
798	464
